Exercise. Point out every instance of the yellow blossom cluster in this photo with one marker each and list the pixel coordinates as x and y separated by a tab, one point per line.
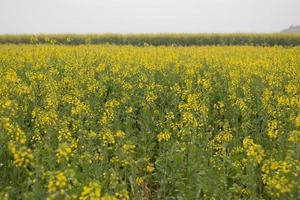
91	192
163	136
253	150
277	177
57	182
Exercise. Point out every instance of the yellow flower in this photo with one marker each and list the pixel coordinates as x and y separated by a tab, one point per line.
273	129
120	134
163	136
150	97
150	167
170	116
291	89
129	110
63	151
187	117
297	121
4	195
22	155
8	103
294	137
11	76
253	150
128	148
57	182
278	176
91	192
108	197
122	195
283	100
139	180
108	137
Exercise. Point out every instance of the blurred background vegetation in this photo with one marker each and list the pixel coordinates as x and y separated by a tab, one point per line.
184	39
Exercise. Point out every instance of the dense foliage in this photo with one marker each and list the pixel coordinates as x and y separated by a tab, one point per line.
120	122
282	39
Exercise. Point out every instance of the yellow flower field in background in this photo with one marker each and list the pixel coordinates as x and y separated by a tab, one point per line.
125	122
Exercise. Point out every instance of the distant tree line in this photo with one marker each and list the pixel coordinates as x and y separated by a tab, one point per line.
292	29
272	39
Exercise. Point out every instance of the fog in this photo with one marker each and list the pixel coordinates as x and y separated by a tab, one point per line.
147	16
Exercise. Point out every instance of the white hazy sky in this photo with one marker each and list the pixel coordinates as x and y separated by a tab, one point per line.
144	16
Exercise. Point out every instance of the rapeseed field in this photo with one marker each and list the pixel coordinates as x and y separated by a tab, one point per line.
122	122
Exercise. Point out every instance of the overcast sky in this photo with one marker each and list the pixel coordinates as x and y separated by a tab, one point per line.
144	16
